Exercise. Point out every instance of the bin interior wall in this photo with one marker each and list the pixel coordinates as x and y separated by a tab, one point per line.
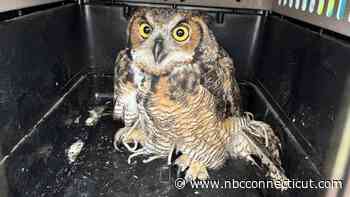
39	54
308	76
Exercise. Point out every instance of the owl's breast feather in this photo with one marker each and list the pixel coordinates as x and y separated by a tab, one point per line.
137	74
190	124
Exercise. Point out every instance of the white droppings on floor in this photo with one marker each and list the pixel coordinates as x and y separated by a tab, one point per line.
77	120
95	115
74	150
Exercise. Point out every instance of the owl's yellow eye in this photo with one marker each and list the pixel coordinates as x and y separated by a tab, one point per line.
181	33
145	30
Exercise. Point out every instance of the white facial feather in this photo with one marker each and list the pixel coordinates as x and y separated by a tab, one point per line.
175	55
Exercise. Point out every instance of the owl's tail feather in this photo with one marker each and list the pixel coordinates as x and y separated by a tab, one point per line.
250	138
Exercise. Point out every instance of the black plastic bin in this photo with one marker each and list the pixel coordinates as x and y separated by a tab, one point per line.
56	65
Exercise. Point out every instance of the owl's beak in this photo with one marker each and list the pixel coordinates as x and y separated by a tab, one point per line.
158	50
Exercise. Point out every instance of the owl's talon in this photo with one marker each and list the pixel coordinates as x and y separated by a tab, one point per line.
197	171
135	154
131	149
115	144
249	115
203	175
250	159
118	136
170	156
128	135
183	162
151	158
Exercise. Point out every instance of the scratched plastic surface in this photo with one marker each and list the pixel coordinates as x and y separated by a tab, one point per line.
41	167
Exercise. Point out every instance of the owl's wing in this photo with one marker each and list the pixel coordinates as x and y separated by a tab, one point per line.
219	79
256	141
125	106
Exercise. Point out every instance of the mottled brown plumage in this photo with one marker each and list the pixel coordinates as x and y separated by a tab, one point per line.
175	90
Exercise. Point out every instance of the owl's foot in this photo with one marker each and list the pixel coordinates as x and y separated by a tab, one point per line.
128	135
196	170
152	158
135	154
143	152
120	137
183	162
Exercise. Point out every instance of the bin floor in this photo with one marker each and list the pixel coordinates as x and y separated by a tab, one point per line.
44	165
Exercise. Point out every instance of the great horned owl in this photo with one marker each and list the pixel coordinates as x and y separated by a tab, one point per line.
175	90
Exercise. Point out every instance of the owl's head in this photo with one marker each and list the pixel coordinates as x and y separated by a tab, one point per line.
161	39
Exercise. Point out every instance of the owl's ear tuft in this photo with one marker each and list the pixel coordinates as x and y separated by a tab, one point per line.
129	11
133	13
208	46
207	18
